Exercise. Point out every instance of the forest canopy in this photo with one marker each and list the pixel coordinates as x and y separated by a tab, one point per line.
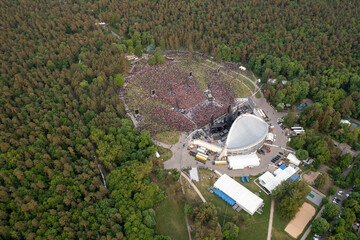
61	119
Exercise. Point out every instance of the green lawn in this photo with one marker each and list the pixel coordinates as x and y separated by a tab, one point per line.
256	231
170	219
279	225
248	83
165	154
168	137
198	71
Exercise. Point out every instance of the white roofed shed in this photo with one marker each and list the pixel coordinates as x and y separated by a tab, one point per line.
293	159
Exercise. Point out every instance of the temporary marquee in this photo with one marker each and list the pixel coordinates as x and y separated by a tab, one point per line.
246	199
243	161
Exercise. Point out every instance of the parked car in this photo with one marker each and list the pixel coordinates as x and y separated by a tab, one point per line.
281	153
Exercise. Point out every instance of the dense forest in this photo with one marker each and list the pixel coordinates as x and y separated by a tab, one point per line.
313	44
61	120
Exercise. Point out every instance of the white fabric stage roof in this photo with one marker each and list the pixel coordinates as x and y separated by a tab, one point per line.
270	181
243	161
246	131
293	159
246	199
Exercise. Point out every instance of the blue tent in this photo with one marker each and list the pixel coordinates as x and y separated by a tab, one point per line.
282	166
225	197
247	179
294	177
242	179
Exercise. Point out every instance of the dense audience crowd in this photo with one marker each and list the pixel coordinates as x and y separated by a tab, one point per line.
178	90
201	114
174	120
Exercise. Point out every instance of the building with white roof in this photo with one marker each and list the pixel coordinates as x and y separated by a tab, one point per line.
246	135
271	181
246	199
293	159
243	161
209	146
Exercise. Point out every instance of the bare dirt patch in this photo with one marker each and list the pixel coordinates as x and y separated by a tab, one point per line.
310	177
302	218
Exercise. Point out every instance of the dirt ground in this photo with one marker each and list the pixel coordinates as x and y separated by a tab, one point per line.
310	177
302	218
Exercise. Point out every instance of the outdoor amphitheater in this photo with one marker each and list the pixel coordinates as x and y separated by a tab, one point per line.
179	95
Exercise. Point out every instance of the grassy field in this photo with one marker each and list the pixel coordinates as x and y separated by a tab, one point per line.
258	95
165	154
258	230
198	71
191	197
237	76
168	137
170	220
279	225
238	88
244	80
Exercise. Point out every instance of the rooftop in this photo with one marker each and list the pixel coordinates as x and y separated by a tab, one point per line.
246	131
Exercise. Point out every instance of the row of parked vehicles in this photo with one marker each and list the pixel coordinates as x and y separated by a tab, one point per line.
263	150
277	157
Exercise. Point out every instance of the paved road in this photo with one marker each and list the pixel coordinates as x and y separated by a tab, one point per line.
308	230
271	219
193	185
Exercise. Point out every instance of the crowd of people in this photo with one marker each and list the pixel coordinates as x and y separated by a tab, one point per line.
173	119
222	94
178	90
201	114
172	85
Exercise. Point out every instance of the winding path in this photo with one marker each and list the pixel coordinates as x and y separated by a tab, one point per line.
193	185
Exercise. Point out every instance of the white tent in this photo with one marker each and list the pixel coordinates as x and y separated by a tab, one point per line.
270	137
242	68
342	121
194	175
293	159
246	199
209	146
271	181
243	161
